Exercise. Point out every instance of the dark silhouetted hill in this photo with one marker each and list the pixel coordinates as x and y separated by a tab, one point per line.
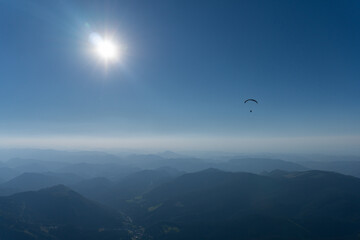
117	194
36	181
220	205
259	165
7	173
111	171
151	161
140	182
345	167
96	189
34	165
57	213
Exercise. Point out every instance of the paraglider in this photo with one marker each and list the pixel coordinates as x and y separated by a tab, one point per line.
251	100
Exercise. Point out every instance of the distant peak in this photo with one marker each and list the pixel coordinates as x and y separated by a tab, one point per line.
169	154
57	188
212	170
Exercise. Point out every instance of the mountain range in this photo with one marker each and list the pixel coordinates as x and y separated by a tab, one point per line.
172	196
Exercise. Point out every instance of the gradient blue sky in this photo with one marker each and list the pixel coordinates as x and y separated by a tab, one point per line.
189	65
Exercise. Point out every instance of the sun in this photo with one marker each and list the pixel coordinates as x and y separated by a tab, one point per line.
105	47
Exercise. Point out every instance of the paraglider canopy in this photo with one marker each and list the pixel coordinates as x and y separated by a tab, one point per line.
251	100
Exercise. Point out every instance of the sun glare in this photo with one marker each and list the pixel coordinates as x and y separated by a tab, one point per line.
105	47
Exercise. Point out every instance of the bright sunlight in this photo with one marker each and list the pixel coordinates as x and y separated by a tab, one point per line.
105	47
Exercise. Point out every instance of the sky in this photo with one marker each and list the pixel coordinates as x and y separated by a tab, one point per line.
184	73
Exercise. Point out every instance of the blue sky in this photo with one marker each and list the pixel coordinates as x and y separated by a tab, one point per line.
188	67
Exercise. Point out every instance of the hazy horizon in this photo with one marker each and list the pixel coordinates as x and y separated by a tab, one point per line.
297	145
